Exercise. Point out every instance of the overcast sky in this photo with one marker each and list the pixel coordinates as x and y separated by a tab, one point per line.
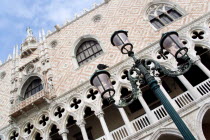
16	15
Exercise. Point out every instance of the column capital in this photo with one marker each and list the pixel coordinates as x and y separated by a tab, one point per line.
99	114
198	61
63	131
81	123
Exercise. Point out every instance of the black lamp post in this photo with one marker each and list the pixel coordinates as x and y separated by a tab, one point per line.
169	41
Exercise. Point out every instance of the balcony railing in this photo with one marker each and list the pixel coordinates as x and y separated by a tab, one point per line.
29	103
204	87
142	122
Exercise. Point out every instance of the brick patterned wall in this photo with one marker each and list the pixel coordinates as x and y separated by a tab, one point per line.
5	87
117	14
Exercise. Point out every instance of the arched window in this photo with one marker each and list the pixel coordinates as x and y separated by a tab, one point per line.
87	51
160	15
34	87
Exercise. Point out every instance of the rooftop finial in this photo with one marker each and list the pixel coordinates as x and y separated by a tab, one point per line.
29	31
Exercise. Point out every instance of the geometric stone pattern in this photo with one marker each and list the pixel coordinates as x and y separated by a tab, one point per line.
5	95
125	15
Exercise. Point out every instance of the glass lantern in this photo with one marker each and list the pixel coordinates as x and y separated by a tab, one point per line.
171	42
120	39
101	81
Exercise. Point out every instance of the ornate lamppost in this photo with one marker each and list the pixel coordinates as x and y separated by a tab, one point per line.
169	41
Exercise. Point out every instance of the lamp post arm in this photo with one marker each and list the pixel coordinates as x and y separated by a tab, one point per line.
150	80
182	69
125	101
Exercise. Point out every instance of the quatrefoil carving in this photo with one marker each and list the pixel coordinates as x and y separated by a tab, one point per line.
28	128
44	120
198	34
92	94
59	112
75	103
14	135
125	75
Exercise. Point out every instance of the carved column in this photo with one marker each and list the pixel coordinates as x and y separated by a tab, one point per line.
166	93
81	125
128	124
151	116
202	67
64	134
100	115
189	87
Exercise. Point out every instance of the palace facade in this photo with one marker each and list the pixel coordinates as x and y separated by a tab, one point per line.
45	92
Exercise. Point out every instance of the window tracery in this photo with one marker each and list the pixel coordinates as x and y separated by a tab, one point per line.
43	120
59	112
75	103
160	15
92	94
14	135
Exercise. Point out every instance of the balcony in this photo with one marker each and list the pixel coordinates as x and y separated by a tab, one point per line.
29	103
141	123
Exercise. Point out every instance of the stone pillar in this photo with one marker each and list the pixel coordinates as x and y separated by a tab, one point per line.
81	125
151	116
100	115
64	134
166	93
202	67
128	124
189	87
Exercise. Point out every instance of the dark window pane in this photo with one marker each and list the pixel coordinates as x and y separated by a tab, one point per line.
165	18
95	49
82	56
156	23
174	13
88	45
34	87
90	50
86	54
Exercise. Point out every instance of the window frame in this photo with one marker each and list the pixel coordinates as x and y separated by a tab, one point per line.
26	82
37	85
88	50
162	3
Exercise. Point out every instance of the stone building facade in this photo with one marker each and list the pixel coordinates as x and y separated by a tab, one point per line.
45	90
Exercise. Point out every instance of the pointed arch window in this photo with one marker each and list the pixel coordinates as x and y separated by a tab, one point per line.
34	87
87	51
160	15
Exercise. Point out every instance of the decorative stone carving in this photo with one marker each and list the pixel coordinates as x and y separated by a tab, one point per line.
29	69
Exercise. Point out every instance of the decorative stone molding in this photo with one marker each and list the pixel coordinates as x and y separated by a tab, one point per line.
162	131
199	119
